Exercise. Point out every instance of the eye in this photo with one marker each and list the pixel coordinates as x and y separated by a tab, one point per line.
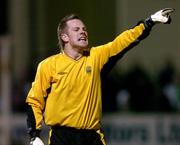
84	29
76	29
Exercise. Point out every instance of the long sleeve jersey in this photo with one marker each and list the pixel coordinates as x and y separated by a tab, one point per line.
67	92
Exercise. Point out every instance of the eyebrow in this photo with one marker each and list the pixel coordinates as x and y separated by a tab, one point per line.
77	27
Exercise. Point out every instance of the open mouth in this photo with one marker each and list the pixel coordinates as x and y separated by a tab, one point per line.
82	39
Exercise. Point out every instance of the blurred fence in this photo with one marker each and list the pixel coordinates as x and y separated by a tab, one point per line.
119	129
15	125
142	129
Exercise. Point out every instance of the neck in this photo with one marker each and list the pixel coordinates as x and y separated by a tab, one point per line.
73	53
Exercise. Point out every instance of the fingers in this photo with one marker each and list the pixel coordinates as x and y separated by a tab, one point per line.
167	11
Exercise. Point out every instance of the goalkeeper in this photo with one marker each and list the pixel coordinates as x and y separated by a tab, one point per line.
66	92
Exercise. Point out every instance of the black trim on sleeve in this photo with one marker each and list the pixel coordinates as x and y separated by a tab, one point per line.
31	123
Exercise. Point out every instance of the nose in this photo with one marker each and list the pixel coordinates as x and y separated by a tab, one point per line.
83	32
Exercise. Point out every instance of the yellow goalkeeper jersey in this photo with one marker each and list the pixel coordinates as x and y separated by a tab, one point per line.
67	92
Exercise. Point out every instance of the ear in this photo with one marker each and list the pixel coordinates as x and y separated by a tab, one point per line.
64	37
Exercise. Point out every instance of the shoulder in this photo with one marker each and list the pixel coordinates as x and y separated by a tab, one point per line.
51	58
50	61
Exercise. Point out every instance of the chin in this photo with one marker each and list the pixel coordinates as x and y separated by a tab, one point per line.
84	46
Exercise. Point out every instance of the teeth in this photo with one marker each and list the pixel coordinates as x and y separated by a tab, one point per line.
84	39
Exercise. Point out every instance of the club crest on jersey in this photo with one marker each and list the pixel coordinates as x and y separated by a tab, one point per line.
88	69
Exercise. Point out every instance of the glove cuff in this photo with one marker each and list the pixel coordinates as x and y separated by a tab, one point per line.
149	23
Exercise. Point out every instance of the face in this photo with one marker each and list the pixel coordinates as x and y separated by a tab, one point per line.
75	34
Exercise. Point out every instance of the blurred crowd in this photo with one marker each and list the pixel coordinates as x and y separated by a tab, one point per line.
134	91
138	91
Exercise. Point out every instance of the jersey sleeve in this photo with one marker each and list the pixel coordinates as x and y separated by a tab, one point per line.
121	43
36	99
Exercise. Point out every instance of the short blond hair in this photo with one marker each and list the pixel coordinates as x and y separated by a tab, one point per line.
62	25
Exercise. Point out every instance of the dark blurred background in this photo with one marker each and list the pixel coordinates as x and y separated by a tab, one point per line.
145	81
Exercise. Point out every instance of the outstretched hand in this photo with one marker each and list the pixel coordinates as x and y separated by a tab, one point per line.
162	16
